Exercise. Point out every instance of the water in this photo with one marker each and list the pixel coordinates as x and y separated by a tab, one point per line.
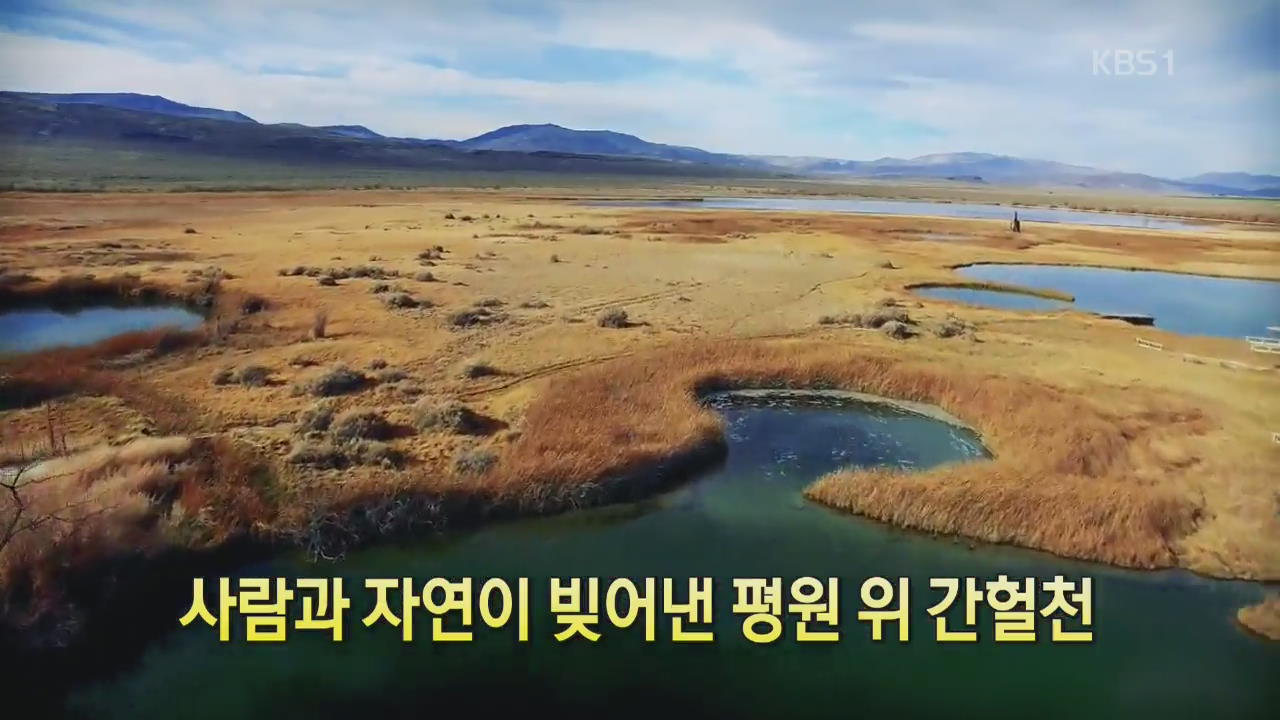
993	298
1165	647
912	207
30	329
1188	304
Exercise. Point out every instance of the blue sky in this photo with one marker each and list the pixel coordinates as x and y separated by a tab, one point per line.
802	77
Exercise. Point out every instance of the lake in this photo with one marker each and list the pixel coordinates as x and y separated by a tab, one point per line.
914	207
30	329
1187	304
1165	645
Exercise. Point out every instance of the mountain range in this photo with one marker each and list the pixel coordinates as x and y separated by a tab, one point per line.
150	122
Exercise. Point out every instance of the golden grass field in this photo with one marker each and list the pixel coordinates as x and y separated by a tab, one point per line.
1104	450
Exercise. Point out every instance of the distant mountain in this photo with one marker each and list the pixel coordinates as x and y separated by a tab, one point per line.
352	131
554	138
156	122
134	101
1243	181
30	122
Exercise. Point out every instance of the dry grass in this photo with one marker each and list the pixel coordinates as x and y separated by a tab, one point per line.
1060	481
72	512
1048	293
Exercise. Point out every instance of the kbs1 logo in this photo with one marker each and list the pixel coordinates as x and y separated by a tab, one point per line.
1132	62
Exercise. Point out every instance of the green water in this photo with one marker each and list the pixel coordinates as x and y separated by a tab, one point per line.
1165	644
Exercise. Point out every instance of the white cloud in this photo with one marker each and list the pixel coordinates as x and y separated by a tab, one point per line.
804	77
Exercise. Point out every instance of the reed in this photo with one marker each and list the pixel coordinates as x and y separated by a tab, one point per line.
1064	476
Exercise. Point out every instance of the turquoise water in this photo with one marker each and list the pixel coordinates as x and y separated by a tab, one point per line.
1165	642
993	298
27	330
910	207
1188	304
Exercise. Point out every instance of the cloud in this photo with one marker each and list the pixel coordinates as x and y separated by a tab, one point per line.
800	77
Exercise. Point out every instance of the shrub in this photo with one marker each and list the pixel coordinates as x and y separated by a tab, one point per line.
477	369
474	316
842	319
337	381
316	418
883	315
372	452
251	304
391	375
951	327
401	300
615	318
360	424
253	375
474	461
319	454
451	415
898	330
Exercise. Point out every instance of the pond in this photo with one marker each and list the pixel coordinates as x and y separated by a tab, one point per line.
31	329
1188	304
1165	642
913	207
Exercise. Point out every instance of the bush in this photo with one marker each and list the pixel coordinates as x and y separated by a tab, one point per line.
615	318
319	454
842	319
451	415
252	304
337	381
474	461
401	300
360	424
474	316
898	330
253	375
391	375
372	452
316	418
886	312
883	315
477	369
951	327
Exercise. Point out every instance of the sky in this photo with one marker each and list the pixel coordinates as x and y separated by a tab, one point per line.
856	80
